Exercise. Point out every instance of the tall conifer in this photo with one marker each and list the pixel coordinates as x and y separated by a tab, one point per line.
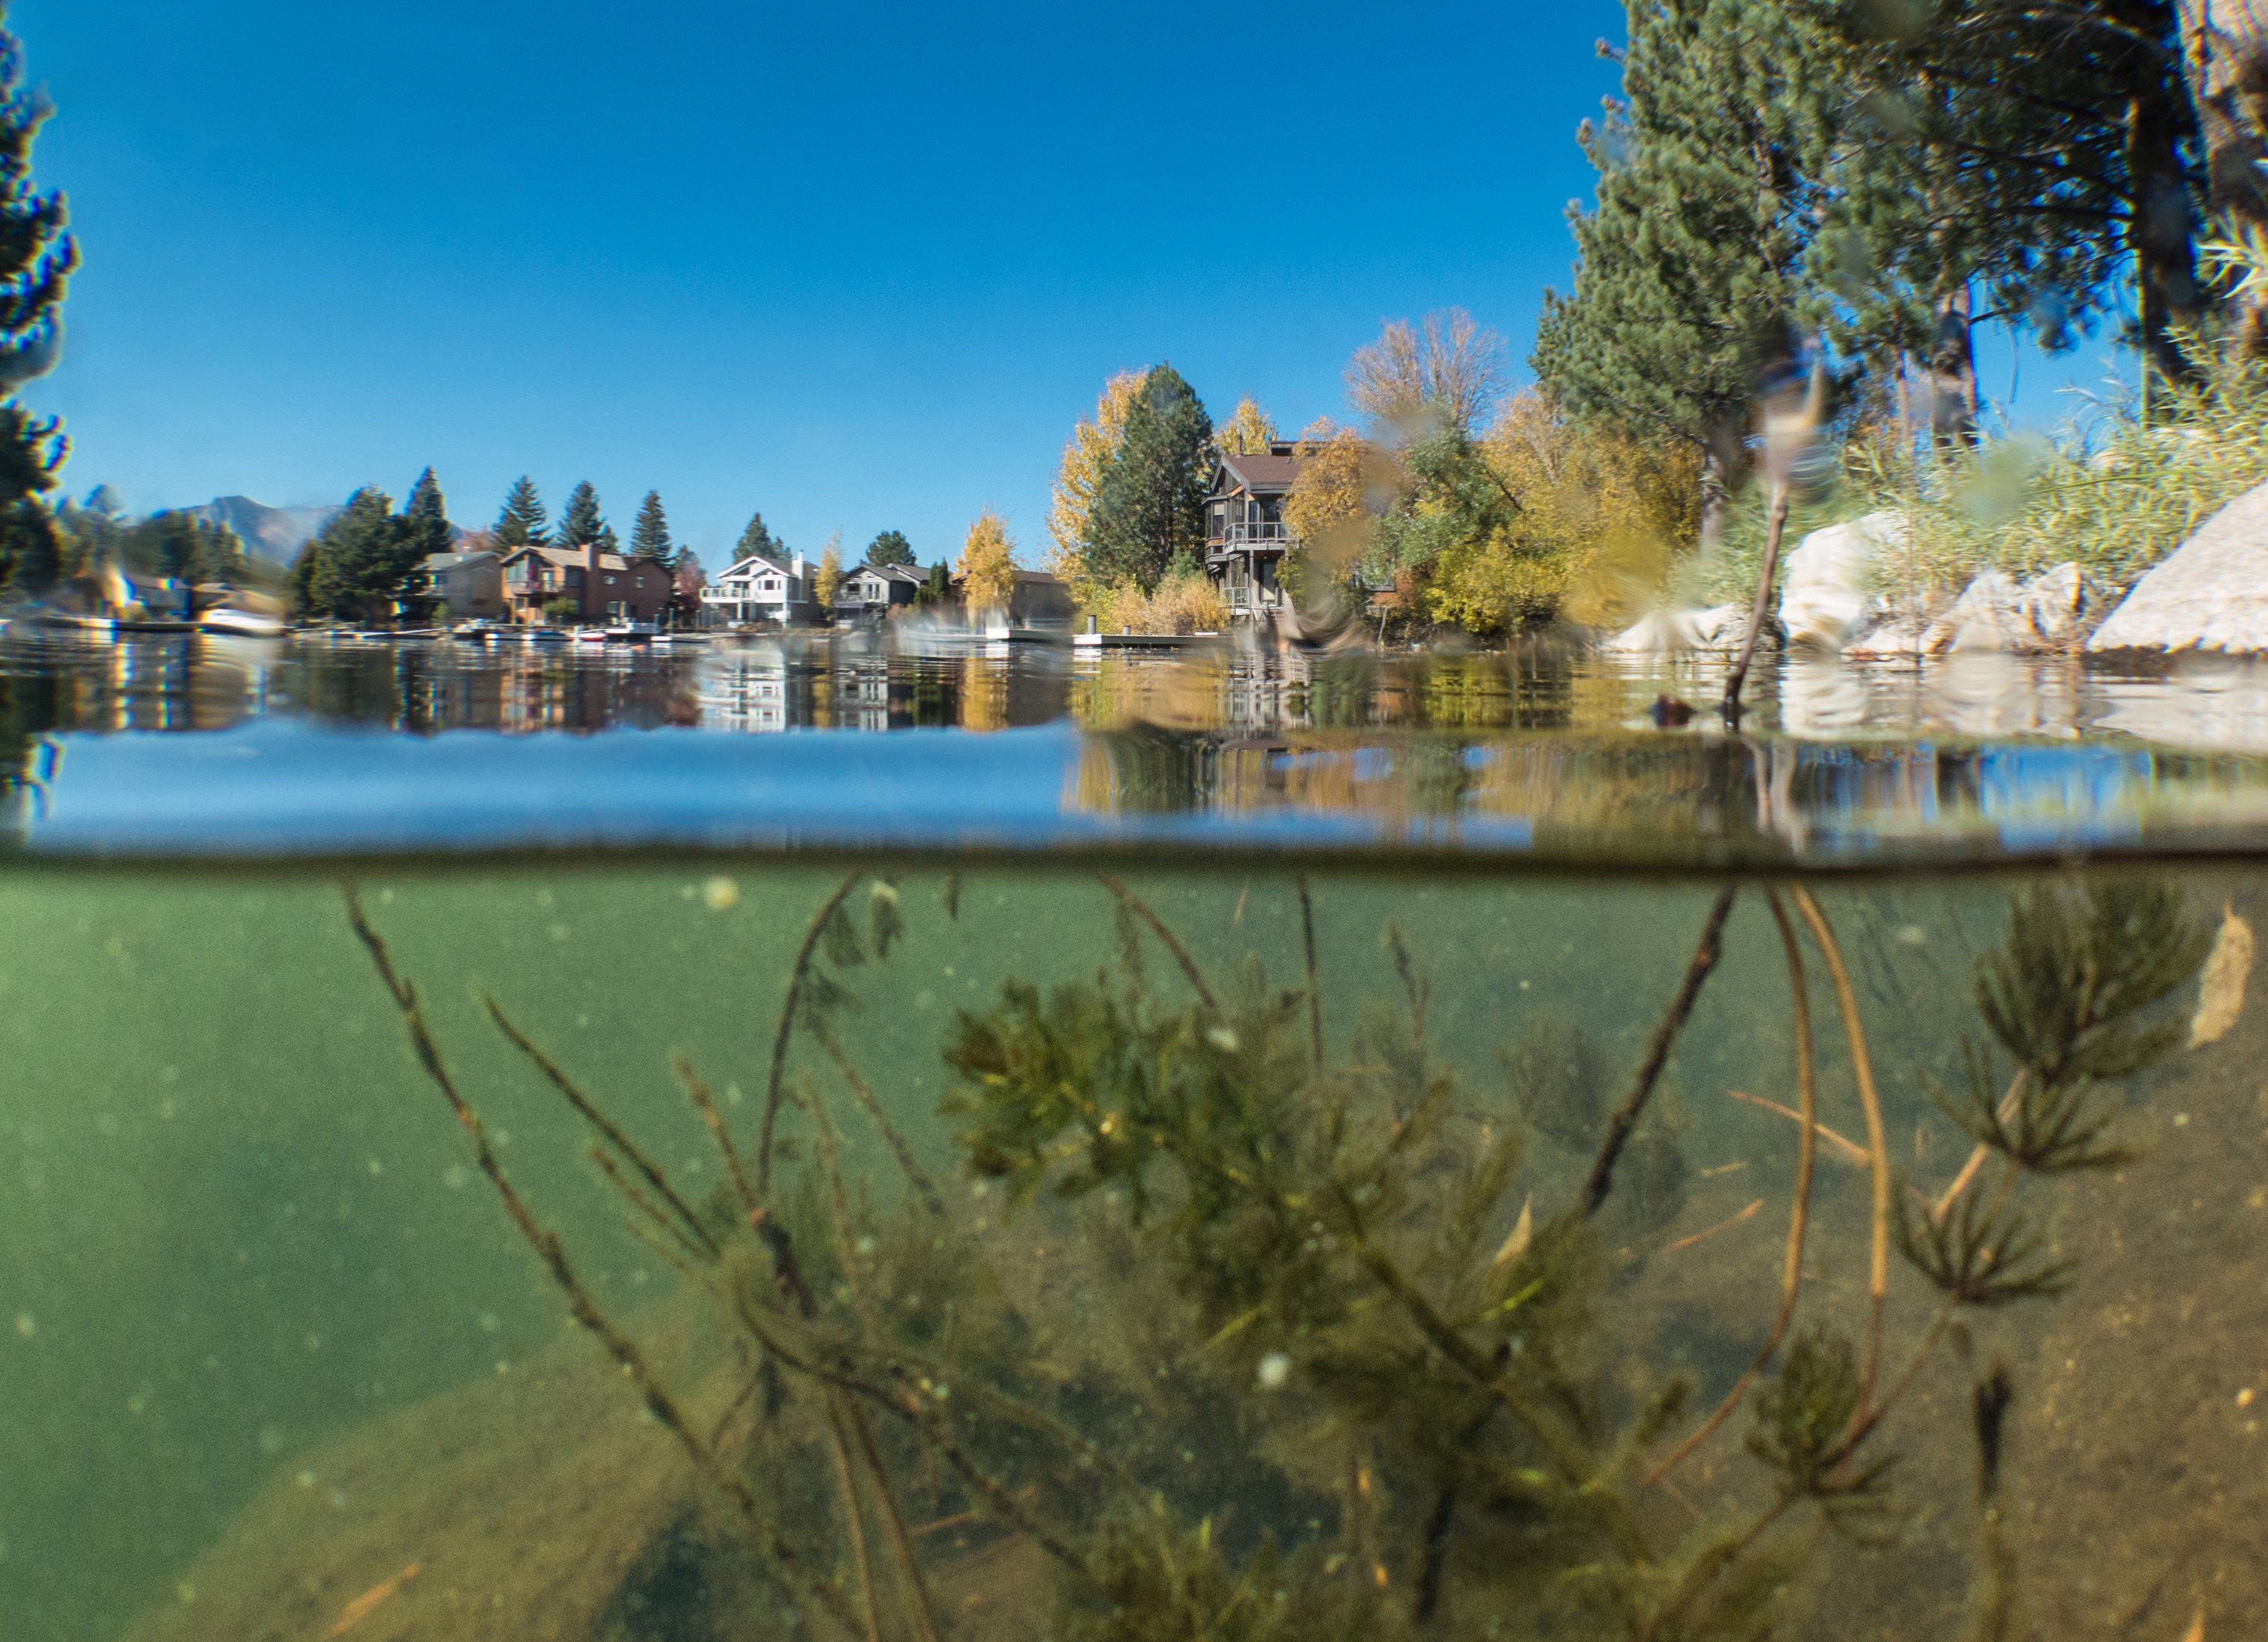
523	522
1150	506
650	536
580	522
428	514
758	540
890	548
1691	279
37	257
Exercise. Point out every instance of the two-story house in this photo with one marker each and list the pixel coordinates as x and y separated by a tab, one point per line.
873	591
604	587
1246	537
761	589
470	584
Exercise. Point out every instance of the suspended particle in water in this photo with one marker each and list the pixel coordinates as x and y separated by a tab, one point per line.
271	1441
720	894
456	1177
1912	935
733	1095
1275	1369
306	1479
27	1324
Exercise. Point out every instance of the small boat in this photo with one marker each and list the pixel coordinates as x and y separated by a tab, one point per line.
546	636
240	623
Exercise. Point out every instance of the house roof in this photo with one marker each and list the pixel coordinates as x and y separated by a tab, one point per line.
890	573
571	558
450	561
1271	473
758	564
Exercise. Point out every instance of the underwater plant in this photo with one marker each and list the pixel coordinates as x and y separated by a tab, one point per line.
1245	1331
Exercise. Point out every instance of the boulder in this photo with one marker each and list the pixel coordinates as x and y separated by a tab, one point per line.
2212	593
1829	594
1994	612
1717	628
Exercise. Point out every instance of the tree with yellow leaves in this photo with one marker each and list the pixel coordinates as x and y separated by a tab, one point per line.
828	581
1248	432
1330	509
1093	447
988	564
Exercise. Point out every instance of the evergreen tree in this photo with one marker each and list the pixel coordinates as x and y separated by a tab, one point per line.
365	561
31	547
890	548
1151	503
36	258
174	543
1691	281
580	522
2036	151
523	522
650	536
306	571
757	540
428	513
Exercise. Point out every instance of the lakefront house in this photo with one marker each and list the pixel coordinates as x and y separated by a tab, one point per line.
603	587
873	591
759	588
1246	537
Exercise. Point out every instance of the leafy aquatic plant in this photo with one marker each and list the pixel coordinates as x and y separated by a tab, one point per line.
1293	1366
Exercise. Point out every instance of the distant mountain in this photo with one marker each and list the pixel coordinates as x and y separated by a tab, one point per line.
274	534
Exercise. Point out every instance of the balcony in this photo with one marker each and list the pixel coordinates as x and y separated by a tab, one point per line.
1261	534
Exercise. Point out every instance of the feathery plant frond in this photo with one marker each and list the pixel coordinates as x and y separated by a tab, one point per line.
1982	1255
2050	1130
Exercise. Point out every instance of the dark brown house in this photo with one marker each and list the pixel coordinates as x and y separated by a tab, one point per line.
1246	537
605	587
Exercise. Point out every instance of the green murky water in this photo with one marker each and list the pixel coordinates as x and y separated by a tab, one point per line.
273	1340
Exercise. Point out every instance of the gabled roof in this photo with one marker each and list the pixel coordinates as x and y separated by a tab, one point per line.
758	564
571	558
1270	475
436	562
891	573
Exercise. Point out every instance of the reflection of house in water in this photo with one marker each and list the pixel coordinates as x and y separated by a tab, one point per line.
757	690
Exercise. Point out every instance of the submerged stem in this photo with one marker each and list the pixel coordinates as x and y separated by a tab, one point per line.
1799	1211
1315	988
1171	943
1657	1052
775	1086
1878	1149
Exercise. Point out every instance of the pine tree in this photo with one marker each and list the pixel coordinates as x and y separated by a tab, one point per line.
757	540
523	522
890	548
37	257
580	522
31	547
1150	505
650	536
365	561
1691	281
2036	151
428	513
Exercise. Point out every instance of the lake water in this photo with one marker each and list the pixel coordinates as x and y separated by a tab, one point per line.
1183	1212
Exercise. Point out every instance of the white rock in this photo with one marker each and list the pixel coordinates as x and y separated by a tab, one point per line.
1895	639
1829	594
1717	628
2212	593
2056	603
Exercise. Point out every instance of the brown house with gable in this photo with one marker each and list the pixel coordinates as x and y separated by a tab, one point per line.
1246	537
605	587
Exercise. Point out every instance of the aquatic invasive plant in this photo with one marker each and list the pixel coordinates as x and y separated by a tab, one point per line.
1232	1319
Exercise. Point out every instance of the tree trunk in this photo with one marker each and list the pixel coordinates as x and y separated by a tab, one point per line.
1953	408
2225	59
2158	226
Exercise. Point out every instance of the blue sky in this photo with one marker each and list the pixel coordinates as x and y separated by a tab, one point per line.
860	269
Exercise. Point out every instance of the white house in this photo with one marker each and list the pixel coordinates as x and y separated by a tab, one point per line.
761	589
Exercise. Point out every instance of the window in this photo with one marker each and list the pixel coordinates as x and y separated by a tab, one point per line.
610	581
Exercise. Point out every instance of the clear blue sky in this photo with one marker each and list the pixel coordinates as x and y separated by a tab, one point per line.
860	269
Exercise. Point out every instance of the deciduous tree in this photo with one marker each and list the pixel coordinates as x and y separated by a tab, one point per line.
987	570
1450	370
1086	458
1248	432
649	535
1150	506
827	580
523	522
